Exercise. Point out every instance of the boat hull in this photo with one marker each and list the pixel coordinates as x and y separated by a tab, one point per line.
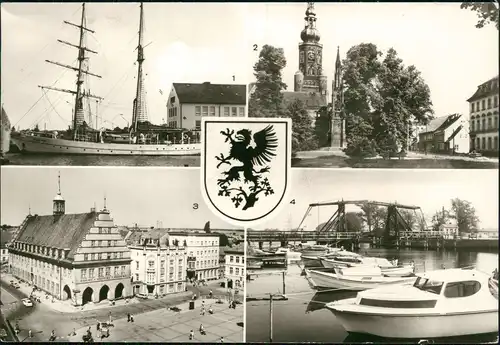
418	326
324	280
34	144
311	261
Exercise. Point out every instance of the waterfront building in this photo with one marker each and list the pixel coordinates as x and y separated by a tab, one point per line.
189	102
449	230
445	134
77	257
158	264
483	107
235	267
203	253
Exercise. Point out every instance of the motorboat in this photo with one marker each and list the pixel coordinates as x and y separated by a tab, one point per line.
291	255
354	278
314	259
314	251
442	303
391	269
254	263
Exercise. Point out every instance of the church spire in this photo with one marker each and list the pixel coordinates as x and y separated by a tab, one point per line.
58	204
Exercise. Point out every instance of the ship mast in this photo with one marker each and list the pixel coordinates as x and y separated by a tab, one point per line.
138	111
79	93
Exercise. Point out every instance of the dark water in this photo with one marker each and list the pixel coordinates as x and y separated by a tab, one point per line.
98	160
303	317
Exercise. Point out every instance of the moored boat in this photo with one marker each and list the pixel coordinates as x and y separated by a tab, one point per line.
354	260
291	256
354	278
140	139
443	303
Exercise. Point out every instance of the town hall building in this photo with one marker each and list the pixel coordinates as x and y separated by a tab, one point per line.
78	257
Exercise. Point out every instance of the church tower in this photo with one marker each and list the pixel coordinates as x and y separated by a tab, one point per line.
337	125
310	76
59	204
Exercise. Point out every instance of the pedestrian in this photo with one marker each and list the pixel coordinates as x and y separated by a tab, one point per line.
131	318
202	311
191	335
210	310
211	294
128	317
203	303
74	332
202	330
30	335
98	326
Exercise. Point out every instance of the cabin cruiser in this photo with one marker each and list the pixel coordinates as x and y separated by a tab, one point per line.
354	278
442	303
314	251
391	269
316	261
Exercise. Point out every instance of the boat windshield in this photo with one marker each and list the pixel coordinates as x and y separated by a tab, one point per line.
429	285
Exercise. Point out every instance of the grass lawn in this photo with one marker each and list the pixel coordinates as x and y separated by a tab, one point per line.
343	162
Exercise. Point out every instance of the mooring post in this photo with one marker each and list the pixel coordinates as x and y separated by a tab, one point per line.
271	318
284	284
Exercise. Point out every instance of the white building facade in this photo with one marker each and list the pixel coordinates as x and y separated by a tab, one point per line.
158	269
483	107
188	103
235	268
202	253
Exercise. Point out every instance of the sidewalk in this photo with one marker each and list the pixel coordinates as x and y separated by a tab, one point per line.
166	325
67	307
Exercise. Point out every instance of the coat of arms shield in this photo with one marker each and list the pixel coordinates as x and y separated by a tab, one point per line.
245	166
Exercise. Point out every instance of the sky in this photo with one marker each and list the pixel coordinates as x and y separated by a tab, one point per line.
440	39
143	196
185	42
430	189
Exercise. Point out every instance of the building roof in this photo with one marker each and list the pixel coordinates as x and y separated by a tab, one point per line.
440	123
488	88
310	99
207	93
66	231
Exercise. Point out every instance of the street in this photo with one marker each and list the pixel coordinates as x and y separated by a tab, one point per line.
42	319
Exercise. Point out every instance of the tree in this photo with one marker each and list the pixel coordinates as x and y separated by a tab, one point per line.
381	99
267	99
13	129
353	222
440	218
465	215
36	128
322	127
410	218
374	216
302	131
487	12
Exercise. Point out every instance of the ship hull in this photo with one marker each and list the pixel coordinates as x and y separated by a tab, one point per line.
34	144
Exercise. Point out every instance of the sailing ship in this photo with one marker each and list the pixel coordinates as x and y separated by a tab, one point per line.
141	138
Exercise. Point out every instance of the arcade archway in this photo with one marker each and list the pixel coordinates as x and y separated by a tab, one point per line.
66	293
119	291
88	293
103	293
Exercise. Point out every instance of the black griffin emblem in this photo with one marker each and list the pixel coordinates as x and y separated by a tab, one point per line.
259	155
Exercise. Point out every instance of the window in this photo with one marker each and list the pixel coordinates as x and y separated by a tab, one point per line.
100	230
109	243
461	289
171	262
99	256
237	259
162	264
101	272
212	110
108	256
495	101
489	103
92	243
495	122
204	110
116	271
198	125
226	111
425	284
151	264
179	276
172	99
108	271
99	243
472	107
84	273
230	270
123	270
180	261
85	257
237	271
120	255
171	276
231	258
92	257
242	259
234	111
241	111
115	243
197	110
137	276
483	104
